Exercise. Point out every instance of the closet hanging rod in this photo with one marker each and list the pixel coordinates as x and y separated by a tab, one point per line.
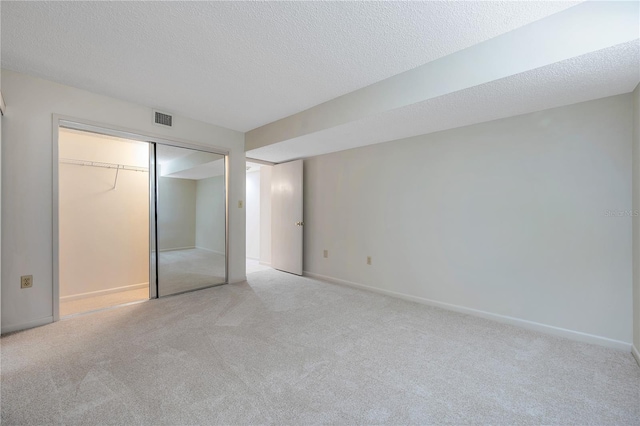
103	165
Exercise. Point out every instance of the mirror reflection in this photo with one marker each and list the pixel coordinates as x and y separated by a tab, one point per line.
191	226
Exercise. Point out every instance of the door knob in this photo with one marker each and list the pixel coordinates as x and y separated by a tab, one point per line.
299	223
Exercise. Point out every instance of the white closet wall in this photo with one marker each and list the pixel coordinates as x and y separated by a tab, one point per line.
210	214
176	213
104	232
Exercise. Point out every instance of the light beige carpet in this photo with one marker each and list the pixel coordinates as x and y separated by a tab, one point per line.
282	349
255	266
190	269
178	269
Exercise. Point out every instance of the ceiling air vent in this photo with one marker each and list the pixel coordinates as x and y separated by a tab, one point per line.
162	118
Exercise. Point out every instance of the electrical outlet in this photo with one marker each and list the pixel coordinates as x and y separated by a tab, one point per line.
240	204
368	260
326	254
26	281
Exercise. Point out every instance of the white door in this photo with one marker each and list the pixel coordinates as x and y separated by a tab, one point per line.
286	217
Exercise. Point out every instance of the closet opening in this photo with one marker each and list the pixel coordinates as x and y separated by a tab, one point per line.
103	221
135	218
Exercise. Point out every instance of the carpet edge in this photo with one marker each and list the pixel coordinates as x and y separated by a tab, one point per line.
530	325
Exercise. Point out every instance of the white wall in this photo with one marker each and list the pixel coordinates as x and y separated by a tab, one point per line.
253	215
1	120
104	232
27	135
265	214
176	213
636	221
210	224
506	217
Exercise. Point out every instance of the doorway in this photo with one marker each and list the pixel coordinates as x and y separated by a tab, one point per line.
137	218
274	212
258	217
103	221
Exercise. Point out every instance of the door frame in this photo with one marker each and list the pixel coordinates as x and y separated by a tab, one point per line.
68	122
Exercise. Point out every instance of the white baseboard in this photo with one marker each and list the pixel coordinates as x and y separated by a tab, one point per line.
253	258
636	354
26	325
266	263
212	251
103	292
177	248
238	281
531	325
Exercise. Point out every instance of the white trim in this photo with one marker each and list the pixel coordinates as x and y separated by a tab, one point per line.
253	258
265	263
209	250
108	308
137	135
103	292
55	217
636	354
3	107
227	218
177	248
241	280
26	325
153	241
531	325
263	162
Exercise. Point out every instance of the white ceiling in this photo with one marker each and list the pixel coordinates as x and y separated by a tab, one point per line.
309	78
207	164
201	171
586	52
599	74
243	64
166	153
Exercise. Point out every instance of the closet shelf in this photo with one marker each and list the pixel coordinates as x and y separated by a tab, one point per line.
103	165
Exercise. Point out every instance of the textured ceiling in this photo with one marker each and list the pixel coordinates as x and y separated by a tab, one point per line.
243	64
603	73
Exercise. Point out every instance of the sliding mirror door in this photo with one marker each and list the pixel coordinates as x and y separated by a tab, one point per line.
191	219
